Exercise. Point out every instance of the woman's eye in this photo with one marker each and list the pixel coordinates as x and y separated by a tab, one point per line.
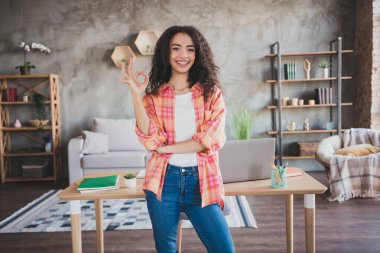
175	48
191	49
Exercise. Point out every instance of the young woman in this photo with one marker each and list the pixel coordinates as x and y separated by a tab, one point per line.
180	114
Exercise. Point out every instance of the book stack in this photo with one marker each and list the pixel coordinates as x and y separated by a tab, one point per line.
290	71
11	94
95	184
323	96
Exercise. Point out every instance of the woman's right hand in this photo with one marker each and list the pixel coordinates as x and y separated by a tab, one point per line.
136	88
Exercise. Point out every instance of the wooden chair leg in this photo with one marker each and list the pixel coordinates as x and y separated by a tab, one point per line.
179	236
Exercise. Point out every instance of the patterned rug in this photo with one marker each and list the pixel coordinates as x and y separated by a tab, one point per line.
50	214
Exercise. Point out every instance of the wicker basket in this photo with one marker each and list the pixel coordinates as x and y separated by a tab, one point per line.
308	148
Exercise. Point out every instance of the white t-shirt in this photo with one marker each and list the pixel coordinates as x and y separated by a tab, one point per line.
185	128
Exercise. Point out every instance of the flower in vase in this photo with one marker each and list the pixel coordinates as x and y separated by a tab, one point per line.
25	68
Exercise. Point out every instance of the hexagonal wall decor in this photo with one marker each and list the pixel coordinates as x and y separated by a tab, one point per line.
146	41
121	53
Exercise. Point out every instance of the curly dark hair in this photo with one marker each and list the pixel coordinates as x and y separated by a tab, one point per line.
203	70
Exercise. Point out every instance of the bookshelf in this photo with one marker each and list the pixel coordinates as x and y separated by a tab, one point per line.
277	82
25	144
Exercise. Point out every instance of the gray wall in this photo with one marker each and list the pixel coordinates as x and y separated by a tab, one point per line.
82	35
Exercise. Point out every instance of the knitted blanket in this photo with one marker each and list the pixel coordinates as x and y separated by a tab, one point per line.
356	176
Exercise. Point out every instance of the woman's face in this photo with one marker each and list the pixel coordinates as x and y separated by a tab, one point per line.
182	53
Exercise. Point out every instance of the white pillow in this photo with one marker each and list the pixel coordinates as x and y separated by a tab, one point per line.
95	143
121	133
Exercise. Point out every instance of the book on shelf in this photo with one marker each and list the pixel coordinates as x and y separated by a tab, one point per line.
95	184
290	71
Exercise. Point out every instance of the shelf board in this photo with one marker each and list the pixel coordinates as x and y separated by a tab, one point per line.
20	103
304	131
23	76
15	129
309	80
296	157
309	53
22	179
306	106
16	154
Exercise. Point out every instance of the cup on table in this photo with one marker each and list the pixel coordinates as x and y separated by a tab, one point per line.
278	177
311	102
300	102
294	101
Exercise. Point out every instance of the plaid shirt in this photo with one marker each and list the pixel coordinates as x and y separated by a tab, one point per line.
210	123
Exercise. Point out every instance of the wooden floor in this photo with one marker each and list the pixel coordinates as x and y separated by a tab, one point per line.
352	226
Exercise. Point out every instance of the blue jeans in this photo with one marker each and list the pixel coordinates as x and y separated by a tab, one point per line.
181	193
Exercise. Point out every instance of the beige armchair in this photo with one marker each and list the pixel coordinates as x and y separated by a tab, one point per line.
326	149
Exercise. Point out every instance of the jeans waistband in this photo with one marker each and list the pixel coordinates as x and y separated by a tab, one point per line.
191	170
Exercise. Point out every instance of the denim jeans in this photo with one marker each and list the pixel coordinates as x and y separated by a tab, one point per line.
181	193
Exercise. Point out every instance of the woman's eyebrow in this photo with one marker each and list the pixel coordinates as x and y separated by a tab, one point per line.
178	45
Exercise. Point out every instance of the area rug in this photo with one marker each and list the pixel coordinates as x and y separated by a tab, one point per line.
50	214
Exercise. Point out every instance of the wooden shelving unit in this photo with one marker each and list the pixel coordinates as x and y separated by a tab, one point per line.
309	80
277	80
48	87
306	106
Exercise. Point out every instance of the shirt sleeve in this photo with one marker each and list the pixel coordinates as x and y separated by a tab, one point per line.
212	132
156	135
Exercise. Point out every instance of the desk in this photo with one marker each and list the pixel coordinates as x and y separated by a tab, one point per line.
305	185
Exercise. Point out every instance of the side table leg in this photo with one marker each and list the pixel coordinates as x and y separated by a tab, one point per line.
309	204
76	234
99	225
289	223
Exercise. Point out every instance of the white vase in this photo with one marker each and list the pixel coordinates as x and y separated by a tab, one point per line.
130	183
326	73
48	147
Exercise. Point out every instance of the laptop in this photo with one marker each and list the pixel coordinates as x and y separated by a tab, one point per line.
247	160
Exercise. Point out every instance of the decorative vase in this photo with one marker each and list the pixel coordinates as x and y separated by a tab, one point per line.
48	147
326	73
17	123
130	183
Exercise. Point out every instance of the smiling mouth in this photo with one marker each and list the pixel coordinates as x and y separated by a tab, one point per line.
182	63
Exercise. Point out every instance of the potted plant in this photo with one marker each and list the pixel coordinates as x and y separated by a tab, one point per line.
325	65
130	180
40	111
243	124
25	68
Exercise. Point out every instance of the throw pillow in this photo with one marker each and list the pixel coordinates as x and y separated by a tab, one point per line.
95	143
121	133
358	150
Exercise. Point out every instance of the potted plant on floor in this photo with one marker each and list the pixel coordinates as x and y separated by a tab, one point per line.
243	124
130	180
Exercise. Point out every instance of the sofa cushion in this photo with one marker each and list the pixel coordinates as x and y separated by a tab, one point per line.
358	150
115	159
121	133
95	143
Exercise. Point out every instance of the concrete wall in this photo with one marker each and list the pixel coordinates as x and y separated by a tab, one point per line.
82	35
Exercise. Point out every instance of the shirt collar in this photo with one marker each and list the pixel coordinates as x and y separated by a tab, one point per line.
196	86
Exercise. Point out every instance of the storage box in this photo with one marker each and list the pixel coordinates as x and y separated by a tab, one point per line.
308	148
34	170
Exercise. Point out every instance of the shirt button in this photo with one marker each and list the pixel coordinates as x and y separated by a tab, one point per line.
183	170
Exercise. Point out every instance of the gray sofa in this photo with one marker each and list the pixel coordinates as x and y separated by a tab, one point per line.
125	153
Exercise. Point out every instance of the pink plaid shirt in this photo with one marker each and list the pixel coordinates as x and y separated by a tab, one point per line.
210	117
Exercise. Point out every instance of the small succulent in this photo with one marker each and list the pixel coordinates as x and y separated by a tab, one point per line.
129	176
324	64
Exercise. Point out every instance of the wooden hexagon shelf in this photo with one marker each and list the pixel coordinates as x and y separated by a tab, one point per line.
146	41
122	53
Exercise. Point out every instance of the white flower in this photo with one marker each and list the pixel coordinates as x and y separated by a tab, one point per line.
34	45
27	48
22	44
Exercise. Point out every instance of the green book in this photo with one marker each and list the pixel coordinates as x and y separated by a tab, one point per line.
99	183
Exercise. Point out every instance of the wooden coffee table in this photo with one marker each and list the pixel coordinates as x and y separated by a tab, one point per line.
301	185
